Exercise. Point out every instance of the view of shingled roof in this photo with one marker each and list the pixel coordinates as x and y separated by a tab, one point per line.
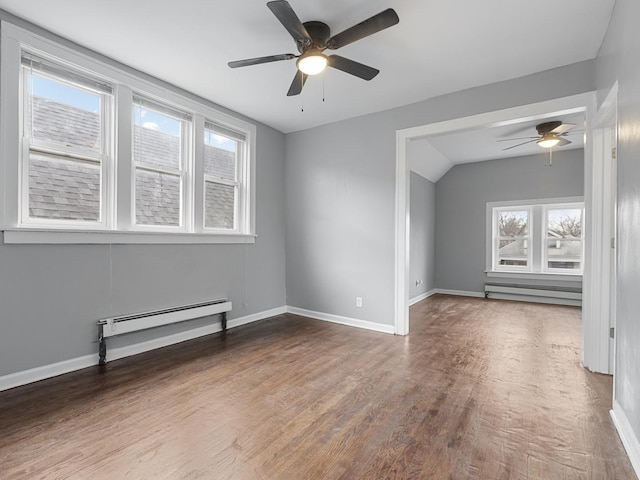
64	188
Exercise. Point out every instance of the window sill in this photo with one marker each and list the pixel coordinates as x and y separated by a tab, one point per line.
74	237
560	277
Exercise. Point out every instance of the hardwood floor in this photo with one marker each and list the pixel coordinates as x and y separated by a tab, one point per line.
480	389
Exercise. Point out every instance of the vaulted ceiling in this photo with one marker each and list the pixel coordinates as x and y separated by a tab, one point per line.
438	47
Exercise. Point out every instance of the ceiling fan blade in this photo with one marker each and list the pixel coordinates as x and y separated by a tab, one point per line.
565	127
519	145
258	60
563	142
372	25
519	138
288	18
297	84
354	68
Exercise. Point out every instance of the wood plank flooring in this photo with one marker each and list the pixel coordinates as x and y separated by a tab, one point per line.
480	389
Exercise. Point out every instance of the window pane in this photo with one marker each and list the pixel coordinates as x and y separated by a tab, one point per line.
565	223
564	253
219	206
63	113
513	244
564	238
513	252
60	188
157	138
157	198
220	155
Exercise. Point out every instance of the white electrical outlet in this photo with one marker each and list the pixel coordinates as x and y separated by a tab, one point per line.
359	302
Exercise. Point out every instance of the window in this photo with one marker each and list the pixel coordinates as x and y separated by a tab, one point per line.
94	154
66	146
563	249
541	237
160	136
512	239
222	148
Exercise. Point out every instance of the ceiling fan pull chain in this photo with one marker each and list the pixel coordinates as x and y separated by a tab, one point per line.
302	93
324	75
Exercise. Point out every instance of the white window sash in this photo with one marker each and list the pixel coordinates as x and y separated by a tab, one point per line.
496	240
545	253
71	152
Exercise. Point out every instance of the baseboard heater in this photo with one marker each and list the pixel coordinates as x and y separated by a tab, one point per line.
111	327
534	293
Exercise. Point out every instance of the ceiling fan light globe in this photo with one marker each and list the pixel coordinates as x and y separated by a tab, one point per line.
312	63
548	141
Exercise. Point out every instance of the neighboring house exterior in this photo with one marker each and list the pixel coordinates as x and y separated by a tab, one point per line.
63	188
562	252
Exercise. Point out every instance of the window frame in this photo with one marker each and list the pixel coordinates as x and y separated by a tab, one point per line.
241	178
74	153
184	172
537	234
545	222
496	240
117	222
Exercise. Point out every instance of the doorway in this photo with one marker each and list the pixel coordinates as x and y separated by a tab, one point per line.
583	102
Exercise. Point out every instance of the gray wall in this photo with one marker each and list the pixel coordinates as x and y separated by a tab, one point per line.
52	295
619	59
422	212
340	181
461	198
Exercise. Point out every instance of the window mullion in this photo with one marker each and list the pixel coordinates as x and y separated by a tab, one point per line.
197	178
124	201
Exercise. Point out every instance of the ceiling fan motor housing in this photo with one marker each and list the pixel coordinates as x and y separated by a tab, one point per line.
320	34
548	127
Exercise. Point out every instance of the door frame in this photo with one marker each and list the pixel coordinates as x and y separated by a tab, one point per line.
598	352
585	102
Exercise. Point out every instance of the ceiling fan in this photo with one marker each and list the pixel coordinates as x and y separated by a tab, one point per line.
313	38
550	134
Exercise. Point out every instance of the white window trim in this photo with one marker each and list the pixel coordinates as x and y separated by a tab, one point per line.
536	231
528	238
104	158
184	173
545	221
119	219
241	208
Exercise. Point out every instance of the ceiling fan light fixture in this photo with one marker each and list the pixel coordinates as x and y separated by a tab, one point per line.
312	62
548	140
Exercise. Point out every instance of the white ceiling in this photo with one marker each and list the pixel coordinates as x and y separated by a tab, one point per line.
488	143
438	47
433	156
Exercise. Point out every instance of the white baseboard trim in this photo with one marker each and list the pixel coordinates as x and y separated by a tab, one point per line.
47	371
53	370
628	437
351	322
422	296
460	293
237	322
